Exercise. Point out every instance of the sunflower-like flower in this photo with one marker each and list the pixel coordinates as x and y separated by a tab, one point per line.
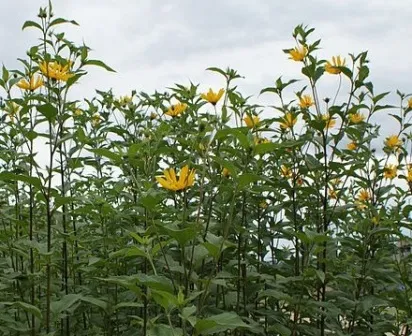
330	122
176	109
389	172
409	174
251	121
78	112
364	196
31	85
360	205
213	97
351	146
288	121
96	120
170	182
286	171
335	182
334	66
298	54
225	172
12	109
124	100
259	140
55	70
305	101
393	142
356	118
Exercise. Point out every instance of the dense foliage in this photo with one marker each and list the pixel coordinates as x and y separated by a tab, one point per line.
194	213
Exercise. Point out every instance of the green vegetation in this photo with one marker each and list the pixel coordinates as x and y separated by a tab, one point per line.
193	213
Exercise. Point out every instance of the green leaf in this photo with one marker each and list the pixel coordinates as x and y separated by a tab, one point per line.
182	236
278	328
321	276
219	323
150	200
218	70
132	251
379	97
48	111
60	200
246	179
226	164
265	148
128	305
164	330
165	299
34	181
57	307
61	20
312	162
26	307
107	153
29	23
99	64
5	74
95	302
269	89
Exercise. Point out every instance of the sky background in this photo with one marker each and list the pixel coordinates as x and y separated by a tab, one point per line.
154	44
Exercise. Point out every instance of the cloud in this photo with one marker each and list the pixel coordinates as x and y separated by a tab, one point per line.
154	44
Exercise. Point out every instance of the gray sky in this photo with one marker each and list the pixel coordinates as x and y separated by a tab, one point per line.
153	44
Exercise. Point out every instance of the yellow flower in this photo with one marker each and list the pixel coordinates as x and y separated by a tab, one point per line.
336	181
333	67
288	121
176	109
393	142
78	112
31	85
169	180
212	97
305	101
351	146
124	100
364	196
263	205
96	120
259	141
225	172
409	177
330	122
360	205
356	118
12	109
251	121
332	193
56	71
410	103
298	54
375	220
286	171
390	171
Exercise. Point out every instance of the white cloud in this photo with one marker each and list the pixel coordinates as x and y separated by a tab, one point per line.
153	44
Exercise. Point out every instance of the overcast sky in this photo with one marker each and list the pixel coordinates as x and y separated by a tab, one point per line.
153	44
